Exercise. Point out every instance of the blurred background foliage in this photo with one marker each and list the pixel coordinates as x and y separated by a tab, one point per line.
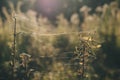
46	31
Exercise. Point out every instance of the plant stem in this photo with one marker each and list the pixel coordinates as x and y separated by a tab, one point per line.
14	49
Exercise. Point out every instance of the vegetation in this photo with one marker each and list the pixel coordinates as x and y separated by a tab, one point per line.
71	49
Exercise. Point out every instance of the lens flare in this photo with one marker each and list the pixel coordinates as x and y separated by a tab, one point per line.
48	6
